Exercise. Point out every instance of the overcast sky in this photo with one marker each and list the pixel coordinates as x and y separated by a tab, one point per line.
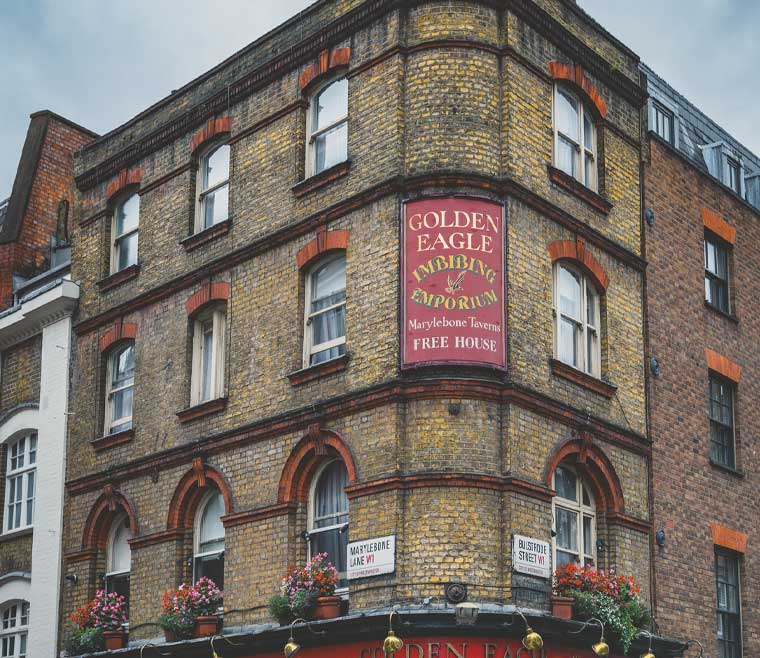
100	62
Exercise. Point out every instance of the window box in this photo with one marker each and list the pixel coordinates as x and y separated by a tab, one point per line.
113	440
319	370
202	410
321	179
209	234
116	279
579	190
582	379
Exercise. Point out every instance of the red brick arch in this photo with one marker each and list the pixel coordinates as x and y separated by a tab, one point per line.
327	64
576	250
323	242
119	331
210	292
212	129
574	75
124	179
106	509
592	463
193	486
311	451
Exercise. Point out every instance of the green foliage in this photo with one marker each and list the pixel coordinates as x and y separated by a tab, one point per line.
181	624
85	640
279	608
622	621
303	605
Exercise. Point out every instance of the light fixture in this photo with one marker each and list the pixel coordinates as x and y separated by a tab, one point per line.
601	648
292	647
649	216
649	653
654	366
532	640
392	642
466	613
701	648
214	654
660	537
150	644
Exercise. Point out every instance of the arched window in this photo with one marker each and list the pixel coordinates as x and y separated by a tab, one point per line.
119	557
213	187
126	221
120	381
15	628
574	513
325	315
328	516
577	316
328	127
20	482
574	138
208	551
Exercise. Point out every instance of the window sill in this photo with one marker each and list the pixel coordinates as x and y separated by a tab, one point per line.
200	238
320	370
579	190
202	410
715	309
321	179
16	534
113	440
582	379
116	279
727	469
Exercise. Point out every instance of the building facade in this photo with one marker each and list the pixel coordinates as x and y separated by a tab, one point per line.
38	301
703	204
377	275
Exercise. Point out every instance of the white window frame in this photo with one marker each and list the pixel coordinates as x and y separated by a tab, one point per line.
310	517
582	511
582	336
118	522
21	474
16	629
580	150
312	134
115	239
110	421
309	348
217	319
202	193
197	555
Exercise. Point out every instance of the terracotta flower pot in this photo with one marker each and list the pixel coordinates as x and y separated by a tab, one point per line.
328	607
206	625
562	606
169	636
115	639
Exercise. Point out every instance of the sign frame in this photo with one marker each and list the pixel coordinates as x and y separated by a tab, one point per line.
388	566
524	567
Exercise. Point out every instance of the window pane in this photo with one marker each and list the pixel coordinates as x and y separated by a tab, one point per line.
330	500
118	584
591	351
589	170
329	284
335	544
566	157
122	408
569	293
566	484
207	352
328	354
29	497
567	529
216	206
567	115
331	104
329	325
590	305
211	528
32	448
120	555
211	566
127	215
331	147
127	251
216	167
588	547
565	558
588	133
568	342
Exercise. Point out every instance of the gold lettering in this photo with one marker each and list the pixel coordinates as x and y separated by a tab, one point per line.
450	650
489	650
420	650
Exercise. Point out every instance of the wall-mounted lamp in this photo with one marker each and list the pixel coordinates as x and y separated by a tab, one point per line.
466	613
601	545
698	643
649	216
214	654
654	366
72	578
660	537
392	642
601	648
649	653
291	647
532	640
306	536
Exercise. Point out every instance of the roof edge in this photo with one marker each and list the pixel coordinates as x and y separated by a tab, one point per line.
61	119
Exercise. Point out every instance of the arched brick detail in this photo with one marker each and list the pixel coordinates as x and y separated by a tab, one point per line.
200	479
309	453
595	465
106	508
209	293
323	242
119	331
574	74
123	180
576	250
326	64
213	128
723	366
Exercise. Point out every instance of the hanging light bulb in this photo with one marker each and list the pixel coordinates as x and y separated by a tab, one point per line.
392	642
600	648
532	640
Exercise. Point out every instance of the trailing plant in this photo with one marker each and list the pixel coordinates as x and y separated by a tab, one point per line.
85	640
178	616
107	612
301	587
205	597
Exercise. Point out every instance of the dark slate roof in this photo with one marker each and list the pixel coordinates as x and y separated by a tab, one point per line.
696	128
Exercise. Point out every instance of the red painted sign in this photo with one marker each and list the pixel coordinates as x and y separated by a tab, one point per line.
452	264
440	647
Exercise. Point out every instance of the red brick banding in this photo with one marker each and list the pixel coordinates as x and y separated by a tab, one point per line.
211	292
124	179
723	366
190	491
324	242
212	129
574	74
119	331
727	538
575	250
106	508
327	62
311	451
716	224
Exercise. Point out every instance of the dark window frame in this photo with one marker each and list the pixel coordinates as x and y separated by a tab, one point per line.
728	613
717	286
660	111
722	412
733	165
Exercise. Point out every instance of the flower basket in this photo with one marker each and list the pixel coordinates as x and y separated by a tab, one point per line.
115	639
206	625
328	607
562	606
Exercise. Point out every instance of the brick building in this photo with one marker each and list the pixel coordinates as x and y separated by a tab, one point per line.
378	274
38	300
702	197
